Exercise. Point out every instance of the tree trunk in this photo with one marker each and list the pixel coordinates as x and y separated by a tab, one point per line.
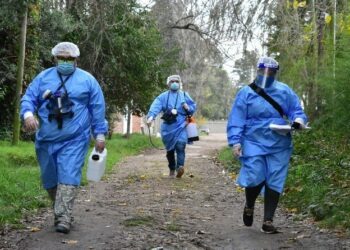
128	124
20	70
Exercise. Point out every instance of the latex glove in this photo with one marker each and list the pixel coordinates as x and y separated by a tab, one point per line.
185	106
31	124
298	124
100	143
149	121
237	150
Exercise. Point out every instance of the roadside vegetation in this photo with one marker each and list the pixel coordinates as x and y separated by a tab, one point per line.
21	193
318	184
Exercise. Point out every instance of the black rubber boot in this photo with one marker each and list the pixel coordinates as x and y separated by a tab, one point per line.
270	206
251	193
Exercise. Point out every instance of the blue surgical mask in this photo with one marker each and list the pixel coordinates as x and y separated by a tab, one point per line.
260	81
65	68
175	86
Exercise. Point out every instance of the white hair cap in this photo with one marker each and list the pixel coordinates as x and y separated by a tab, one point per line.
173	78
66	49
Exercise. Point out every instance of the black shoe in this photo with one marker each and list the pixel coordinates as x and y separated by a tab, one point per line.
63	227
268	228
248	215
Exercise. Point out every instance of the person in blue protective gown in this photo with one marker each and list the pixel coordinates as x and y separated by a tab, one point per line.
264	153
64	105
176	105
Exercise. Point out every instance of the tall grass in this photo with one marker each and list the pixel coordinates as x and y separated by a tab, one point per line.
21	192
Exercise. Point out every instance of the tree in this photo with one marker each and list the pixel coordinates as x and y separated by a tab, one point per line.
20	69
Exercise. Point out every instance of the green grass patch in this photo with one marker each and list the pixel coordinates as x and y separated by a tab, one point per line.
21	191
138	221
318	183
226	158
173	227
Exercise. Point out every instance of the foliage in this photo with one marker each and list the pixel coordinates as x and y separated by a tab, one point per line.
20	189
318	184
11	13
119	41
311	42
122	48
226	158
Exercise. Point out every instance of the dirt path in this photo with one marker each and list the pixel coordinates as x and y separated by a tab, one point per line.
139	207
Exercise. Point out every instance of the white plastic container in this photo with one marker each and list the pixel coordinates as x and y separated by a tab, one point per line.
96	165
192	132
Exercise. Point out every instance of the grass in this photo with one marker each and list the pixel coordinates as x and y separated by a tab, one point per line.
173	227
318	183
226	158
21	192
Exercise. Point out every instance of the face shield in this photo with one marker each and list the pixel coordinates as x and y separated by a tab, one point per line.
266	72
265	77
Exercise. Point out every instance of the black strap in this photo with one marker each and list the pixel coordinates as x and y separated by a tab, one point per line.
167	101
63	82
268	98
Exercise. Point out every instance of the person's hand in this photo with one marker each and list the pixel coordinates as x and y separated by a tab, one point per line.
237	150
31	124
100	146
149	121
185	106
298	124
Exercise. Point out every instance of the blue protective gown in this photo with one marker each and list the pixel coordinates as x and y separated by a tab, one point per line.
265	153
172	133
61	152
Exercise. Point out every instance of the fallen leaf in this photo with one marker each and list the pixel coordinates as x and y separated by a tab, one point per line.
35	229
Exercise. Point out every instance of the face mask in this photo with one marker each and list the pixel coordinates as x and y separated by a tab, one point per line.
260	81
175	86
65	68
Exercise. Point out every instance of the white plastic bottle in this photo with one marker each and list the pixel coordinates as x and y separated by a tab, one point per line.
96	165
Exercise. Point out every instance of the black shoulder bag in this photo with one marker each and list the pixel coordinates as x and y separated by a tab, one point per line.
268	98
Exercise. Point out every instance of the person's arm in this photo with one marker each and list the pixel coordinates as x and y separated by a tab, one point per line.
155	109
236	121
190	106
29	105
295	111
97	110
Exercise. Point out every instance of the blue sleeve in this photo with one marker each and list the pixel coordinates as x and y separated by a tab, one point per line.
237	119
156	107
30	99
191	104
97	109
294	108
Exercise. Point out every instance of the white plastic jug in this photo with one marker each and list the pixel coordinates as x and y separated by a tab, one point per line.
96	165
191	129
